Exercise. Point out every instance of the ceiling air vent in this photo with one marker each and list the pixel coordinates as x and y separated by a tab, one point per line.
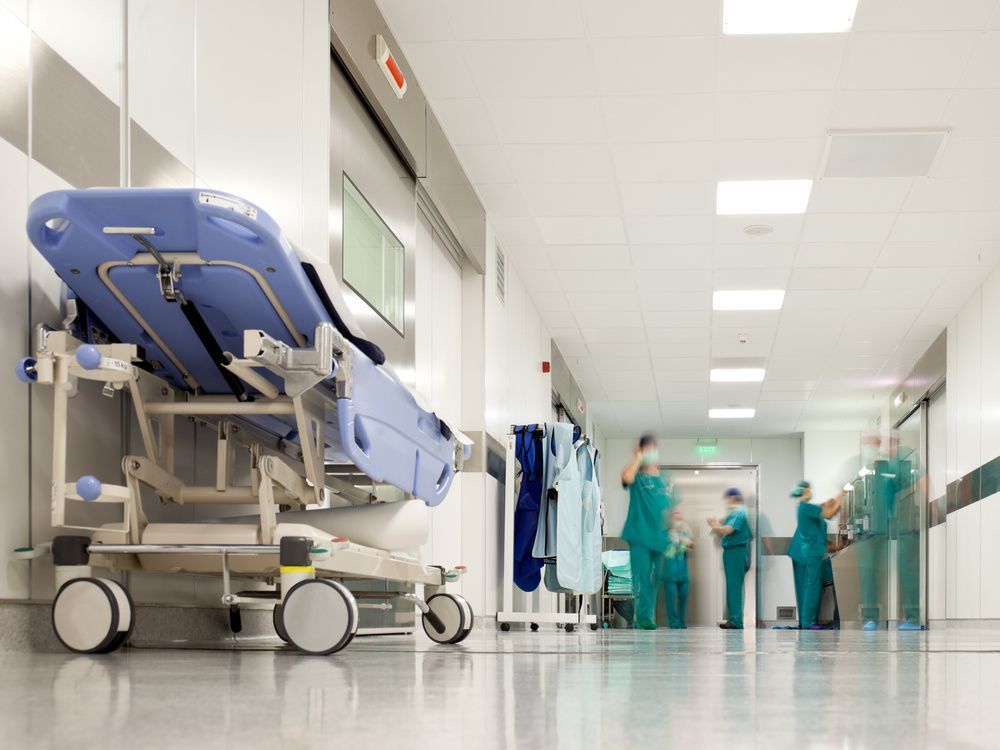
881	153
501	275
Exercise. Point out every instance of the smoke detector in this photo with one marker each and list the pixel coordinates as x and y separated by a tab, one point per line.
758	230
743	338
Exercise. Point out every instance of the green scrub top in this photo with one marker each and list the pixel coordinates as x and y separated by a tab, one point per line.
675	566
740	524
809	542
649	507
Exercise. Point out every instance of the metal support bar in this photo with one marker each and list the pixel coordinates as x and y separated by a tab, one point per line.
300	368
206	407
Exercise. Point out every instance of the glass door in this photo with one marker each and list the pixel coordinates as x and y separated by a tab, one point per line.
907	520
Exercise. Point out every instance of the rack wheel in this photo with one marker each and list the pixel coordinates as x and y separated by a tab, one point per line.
93	615
534	627
593	626
505	627
454	616
278	627
469	621
318	616
605	624
569	627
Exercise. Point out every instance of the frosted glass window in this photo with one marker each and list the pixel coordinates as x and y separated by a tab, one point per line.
373	258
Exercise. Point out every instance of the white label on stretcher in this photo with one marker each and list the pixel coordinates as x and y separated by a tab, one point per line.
110	363
214	199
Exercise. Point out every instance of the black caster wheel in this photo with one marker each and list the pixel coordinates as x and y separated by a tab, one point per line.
605	624
534	627
453	616
505	627
279	628
569	628
593	626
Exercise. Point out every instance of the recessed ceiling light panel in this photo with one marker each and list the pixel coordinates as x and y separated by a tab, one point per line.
731	413
748	299
737	374
746	197
788	16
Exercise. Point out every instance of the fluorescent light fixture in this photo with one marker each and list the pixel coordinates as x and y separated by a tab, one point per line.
743	197
748	299
788	16
731	413
737	374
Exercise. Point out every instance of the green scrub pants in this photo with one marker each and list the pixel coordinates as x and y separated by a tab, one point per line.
735	563
646	566
676	593
808	589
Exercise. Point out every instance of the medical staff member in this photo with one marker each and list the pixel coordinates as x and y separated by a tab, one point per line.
735	534
675	570
807	550
645	529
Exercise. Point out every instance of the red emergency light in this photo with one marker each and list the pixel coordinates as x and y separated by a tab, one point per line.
390	68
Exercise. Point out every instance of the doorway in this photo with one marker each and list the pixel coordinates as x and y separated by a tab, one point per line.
699	490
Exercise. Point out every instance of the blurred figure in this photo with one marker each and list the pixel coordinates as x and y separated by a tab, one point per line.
735	534
645	529
807	550
675	570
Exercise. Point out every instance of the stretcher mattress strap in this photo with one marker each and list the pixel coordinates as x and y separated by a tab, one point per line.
207	340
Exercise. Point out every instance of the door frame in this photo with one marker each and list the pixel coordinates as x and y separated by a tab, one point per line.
735	466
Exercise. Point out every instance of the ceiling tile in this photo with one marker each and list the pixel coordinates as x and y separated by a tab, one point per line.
672	256
936	316
686	300
571	199
867	195
754	255
772	159
596	281
515	231
443	70
653	119
984	66
947	227
619	351
680	64
828	278
905	278
559	319
547	120
732	229
766	115
677	335
652	18
625	335
873	299
547	300
485	164
792	63
672	364
581	230
974	113
744	319
465	121
680	348
528	257
413	22
935	195
796	301
956	288
560	163
750	278
921	60
660	230
895	109
922	15
968	157
668	198
845	227
666	162
814	318
833	254
680	280
502	200
570	348
589	256
608	318
514	19
603	301
514	69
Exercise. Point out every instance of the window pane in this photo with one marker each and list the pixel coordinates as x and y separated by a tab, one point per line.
373	258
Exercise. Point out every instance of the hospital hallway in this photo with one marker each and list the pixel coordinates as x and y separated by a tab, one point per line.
696	688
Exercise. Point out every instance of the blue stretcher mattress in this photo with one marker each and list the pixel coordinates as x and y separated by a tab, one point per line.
239	272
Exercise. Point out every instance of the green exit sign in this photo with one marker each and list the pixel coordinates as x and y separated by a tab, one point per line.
707	450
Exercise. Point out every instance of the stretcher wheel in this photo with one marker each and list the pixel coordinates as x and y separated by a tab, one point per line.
93	615
505	626
569	627
319	616
453	613
593	626
278	627
534	627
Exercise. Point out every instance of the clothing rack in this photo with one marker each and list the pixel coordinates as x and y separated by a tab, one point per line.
508	614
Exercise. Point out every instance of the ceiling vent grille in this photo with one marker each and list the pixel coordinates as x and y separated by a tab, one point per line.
881	153
501	276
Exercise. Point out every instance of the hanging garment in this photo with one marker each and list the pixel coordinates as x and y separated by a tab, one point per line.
569	506
559	439
529	450
590	575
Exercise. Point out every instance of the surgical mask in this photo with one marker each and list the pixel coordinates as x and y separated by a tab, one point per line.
650	456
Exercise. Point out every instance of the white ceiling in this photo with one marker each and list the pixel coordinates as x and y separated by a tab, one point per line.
595	133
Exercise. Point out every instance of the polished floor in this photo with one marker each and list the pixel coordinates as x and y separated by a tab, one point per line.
698	688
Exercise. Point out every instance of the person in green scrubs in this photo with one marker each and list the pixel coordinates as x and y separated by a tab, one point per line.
736	535
645	529
807	550
675	570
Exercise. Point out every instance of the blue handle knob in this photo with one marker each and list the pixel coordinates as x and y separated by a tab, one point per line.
88	357
25	370
88	487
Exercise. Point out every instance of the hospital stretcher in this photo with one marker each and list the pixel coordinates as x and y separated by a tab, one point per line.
163	287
